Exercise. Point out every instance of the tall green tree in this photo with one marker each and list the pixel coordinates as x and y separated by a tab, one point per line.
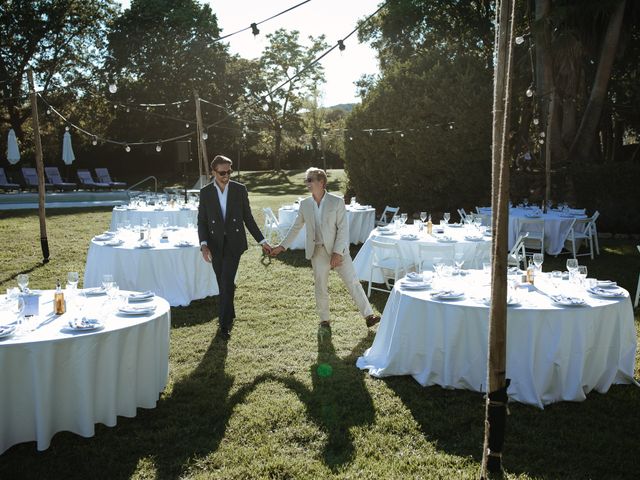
61	40
285	61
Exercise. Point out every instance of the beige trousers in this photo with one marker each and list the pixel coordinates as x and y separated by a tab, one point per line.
320	261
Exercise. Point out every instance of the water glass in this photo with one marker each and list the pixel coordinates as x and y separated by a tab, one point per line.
72	280
538	259
447	217
572	265
423	216
107	281
556	278
582	273
23	281
403	218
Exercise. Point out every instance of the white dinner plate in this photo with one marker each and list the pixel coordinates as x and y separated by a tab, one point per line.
183	244
607	292
568	301
144	245
141	296
387	232
454	225
607	284
409	237
83	325
7	330
114	242
447	295
447	240
473	239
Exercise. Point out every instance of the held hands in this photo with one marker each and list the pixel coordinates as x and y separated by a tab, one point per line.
206	253
336	260
277	251
266	248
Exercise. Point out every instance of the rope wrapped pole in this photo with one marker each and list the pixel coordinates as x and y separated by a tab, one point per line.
44	243
497	383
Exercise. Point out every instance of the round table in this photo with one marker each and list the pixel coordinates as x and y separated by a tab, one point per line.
473	251
176	273
55	379
361	220
554	353
556	225
175	216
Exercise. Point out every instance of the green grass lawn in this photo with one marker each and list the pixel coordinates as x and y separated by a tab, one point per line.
279	401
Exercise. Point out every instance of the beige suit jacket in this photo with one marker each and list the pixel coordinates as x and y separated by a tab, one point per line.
334	226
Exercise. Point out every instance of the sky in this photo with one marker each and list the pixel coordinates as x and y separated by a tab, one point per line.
333	18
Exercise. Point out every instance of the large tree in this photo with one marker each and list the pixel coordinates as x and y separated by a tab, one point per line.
61	40
287	63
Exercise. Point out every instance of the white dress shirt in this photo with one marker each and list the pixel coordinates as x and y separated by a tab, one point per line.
317	213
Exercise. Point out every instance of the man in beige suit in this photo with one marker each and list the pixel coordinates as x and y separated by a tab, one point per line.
327	245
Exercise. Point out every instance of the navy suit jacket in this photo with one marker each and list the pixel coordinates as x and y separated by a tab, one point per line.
212	228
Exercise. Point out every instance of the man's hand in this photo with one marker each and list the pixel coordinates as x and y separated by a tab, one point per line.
206	253
277	250
336	260
266	248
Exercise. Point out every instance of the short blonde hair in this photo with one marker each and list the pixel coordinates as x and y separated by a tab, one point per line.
318	174
220	160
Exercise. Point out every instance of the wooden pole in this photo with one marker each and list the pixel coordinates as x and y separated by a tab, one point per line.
44	243
497	383
202	146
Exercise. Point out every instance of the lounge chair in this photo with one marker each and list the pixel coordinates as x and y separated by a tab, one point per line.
102	174
86	181
53	175
31	178
6	184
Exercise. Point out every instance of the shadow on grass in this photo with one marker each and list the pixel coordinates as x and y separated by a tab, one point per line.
552	443
27	271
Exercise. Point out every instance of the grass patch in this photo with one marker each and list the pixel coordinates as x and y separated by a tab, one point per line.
282	400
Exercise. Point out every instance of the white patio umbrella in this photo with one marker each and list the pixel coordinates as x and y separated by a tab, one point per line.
13	153
67	150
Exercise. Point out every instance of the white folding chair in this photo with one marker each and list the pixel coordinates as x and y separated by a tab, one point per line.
534	228
462	214
272	228
517	256
582	229
428	251
387	214
387	258
635	303
482	254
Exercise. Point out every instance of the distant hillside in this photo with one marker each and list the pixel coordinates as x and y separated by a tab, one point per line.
347	107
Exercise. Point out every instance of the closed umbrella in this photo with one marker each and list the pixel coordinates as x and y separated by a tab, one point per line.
67	150
13	154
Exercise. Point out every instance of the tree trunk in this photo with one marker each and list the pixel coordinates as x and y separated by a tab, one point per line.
584	141
278	147
497	383
544	59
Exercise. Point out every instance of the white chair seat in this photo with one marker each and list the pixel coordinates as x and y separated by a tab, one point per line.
388	259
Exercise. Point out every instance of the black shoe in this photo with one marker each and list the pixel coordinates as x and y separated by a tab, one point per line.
372	320
224	334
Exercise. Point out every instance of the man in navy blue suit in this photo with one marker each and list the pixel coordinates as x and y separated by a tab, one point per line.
223	213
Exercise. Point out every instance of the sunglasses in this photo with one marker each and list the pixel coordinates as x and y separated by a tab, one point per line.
223	173
309	180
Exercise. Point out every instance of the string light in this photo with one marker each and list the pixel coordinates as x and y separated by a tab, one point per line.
530	91
127	148
66	128
341	45
205	135
159	147
186	125
94	141
519	40
113	88
536	121
255	30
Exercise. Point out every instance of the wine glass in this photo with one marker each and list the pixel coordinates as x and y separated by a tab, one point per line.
459	261
582	273
23	281
477	221
572	265
403	218
538	259
525	202
423	216
447	217
72	280
107	281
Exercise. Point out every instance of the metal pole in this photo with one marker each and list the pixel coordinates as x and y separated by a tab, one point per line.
44	243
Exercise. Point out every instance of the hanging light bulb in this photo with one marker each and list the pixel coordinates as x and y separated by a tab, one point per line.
186	125
115	106
542	135
254	29
451	126
341	45
113	88
402	134
519	40
159	147
350	138
66	128
205	135
127	148
371	133
48	111
128	109
536	121
541	141
529	92
94	141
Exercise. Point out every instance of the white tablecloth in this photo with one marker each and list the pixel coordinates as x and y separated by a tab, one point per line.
473	251
553	353
361	222
178	274
56	380
556	226
178	217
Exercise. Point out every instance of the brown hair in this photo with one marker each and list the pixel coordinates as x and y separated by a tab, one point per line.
220	160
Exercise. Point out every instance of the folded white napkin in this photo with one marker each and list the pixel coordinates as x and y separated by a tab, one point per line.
137	309
6	330
144	244
84	323
94	291
114	242
136	296
414	277
607	283
567	300
183	243
409	236
102	237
